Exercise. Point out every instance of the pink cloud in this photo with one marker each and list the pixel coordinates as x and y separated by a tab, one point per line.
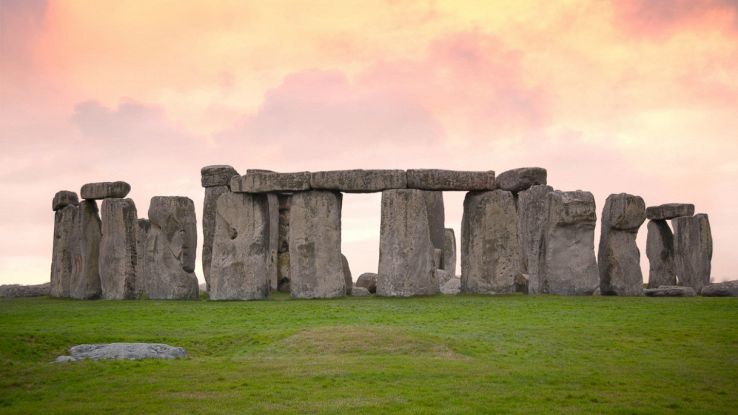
661	17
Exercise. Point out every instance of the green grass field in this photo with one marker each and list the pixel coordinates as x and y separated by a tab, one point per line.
466	354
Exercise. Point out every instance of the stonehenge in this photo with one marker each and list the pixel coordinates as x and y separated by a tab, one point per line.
268	231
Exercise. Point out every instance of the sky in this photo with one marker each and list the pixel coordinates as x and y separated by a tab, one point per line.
636	96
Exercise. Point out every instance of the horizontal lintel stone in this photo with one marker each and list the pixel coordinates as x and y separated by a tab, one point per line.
258	181
358	181
435	179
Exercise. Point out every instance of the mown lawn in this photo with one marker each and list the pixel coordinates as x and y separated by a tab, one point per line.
466	354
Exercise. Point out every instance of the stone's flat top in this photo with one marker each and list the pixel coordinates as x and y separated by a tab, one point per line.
519	179
264	181
669	211
358	181
568	208
122	351
721	289
64	198
624	211
217	175
105	190
436	179
669	291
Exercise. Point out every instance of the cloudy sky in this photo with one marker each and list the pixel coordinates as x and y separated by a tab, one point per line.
637	96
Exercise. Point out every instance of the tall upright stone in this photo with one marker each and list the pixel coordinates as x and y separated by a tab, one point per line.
436	219
216	180
65	249
531	223
118	256
693	250
660	253
449	251
283	244
272	258
347	274
144	256
405	246
240	248
172	244
618	257
85	284
568	265
316	269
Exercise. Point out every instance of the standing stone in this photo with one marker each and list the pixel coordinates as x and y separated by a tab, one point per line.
143	256
449	251
618	257
316	269
405	246
283	244
64	198
240	248
215	180
85	284
568	265
172	243
118	256
490	246
272	258
531	223
347	274
517	180
693	250
368	280
105	190
660	253
436	221
65	250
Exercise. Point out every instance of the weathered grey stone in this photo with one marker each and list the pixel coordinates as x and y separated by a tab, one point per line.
85	283
693	250
531	223
144	256
122	351
272	260
65	250
105	190
405	246
449	251
669	211
118	257
284	223
490	245
569	266
18	291
618	257
64	198
208	226
240	248
358	181
347	274
452	286
283	269
660	253
218	175
517	180
442	276
436	221
360	292
368	280
263	181
172	244
316	269
521	283
669	291
721	289
433	179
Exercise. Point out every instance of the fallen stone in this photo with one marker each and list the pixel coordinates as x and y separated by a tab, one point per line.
433	179
316	269
263	182
436	221
669	211
660	253
208	227
118	255
368	280
517	180
105	190
358	181
569	265
19	291
531	223
721	289
669	291
218	175
405	246
618	257
238	270
172	242
122	351
451	287
490	246
347	274
360	292
64	250
693	250
85	282
64	198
